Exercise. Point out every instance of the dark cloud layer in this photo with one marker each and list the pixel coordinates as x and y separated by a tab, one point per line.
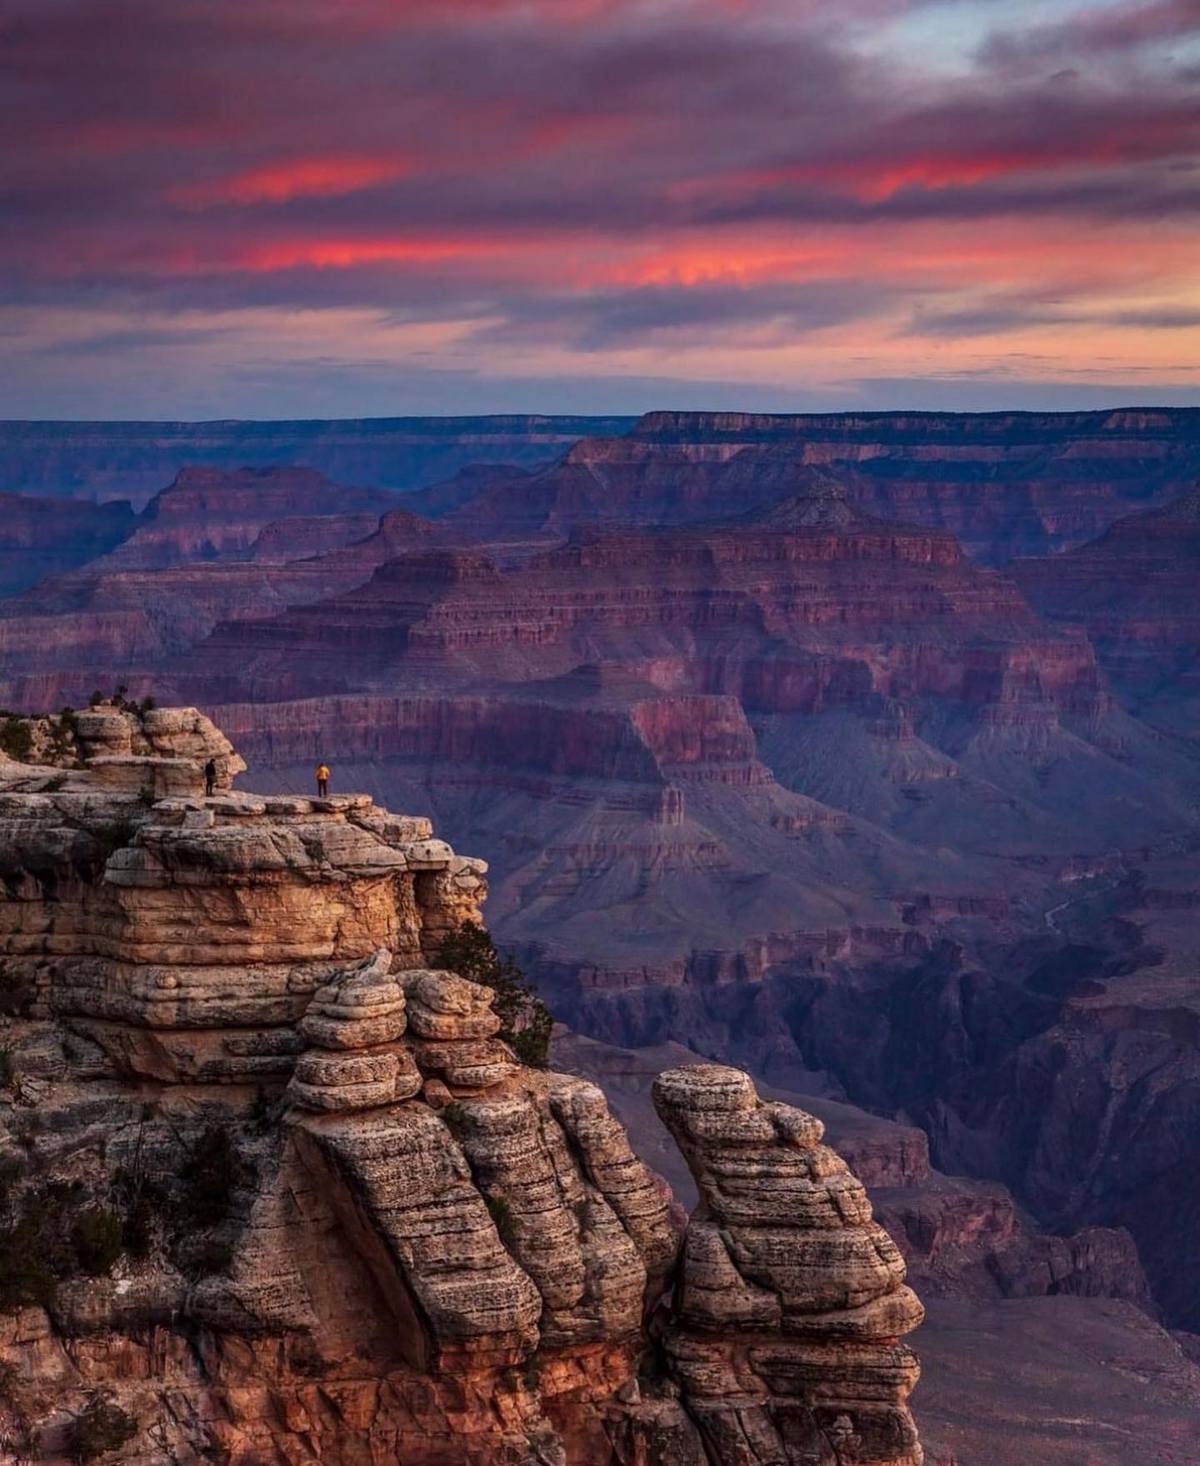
587	176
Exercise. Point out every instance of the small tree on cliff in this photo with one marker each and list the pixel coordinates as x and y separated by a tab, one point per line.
525	1021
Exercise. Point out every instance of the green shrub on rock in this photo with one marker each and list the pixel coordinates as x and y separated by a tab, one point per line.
99	1240
102	1429
526	1022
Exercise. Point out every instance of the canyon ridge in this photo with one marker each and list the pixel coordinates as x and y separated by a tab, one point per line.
857	752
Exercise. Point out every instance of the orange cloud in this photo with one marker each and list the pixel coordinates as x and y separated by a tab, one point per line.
344	254
276	183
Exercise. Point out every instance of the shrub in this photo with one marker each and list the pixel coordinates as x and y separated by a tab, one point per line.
212	1256
16	737
502	1215
16	993
141	1202
26	1126
20	1444
138	1228
210	1173
262	1111
100	1430
525	1021
456	1117
10	1172
99	1240
27	1273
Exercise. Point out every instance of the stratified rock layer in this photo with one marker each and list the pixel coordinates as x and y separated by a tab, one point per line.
791	1304
295	1198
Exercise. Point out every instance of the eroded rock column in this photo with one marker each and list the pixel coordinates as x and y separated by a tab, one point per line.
791	1306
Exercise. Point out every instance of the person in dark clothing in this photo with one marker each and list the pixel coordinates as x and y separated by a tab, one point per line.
210	778
322	779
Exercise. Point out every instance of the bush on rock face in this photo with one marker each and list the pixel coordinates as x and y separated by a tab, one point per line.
99	1240
525	1020
100	1431
210	1174
16	739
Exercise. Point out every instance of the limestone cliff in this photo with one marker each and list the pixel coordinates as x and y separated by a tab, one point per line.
273	1189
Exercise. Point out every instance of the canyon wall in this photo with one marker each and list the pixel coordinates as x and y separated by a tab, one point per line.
1006	484
132	460
1134	592
41	537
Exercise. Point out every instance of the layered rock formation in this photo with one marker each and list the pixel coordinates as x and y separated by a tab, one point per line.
1134	592
1006	484
1037	1347
293	1197
41	537
209	513
160	593
779	608
792	1306
845	712
134	460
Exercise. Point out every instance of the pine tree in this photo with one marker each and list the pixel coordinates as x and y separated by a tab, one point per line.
525	1021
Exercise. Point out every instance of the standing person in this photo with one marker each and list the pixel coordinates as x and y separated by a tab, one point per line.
322	779
210	778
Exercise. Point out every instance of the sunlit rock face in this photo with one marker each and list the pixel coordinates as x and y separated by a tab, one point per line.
327	1207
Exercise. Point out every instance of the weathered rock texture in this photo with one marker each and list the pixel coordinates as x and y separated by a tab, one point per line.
207	513
791	1307
349	1225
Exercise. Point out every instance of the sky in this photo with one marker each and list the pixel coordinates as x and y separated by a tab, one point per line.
331	208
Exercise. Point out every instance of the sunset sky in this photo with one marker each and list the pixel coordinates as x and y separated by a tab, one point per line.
273	208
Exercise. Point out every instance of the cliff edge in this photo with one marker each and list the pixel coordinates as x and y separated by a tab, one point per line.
273	1189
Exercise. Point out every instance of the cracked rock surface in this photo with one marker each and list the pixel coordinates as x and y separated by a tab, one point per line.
273	1186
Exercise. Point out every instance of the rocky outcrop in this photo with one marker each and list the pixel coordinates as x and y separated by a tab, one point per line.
295	1197
786	610
218	556
792	1306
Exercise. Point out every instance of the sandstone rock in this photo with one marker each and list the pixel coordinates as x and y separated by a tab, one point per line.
792	1301
1006	483
474	1063
353	1022
364	1225
443	1006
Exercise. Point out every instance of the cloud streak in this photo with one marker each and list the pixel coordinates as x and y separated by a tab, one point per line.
660	189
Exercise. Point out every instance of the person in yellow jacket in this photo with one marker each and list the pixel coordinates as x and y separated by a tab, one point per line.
322	779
